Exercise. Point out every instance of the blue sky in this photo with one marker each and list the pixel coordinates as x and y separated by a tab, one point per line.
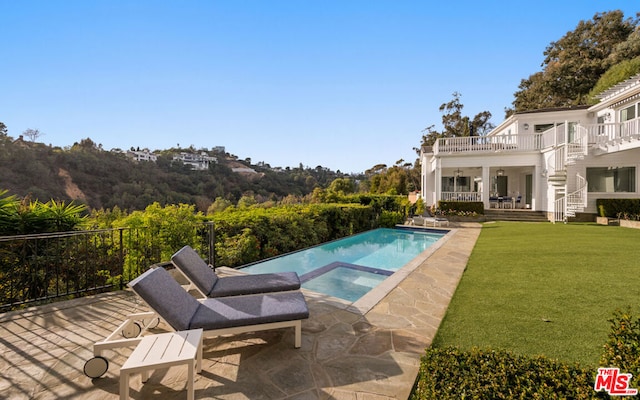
341	84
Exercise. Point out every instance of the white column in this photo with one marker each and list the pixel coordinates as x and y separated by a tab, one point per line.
437	193
486	186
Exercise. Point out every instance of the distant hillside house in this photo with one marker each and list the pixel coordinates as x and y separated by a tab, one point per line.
199	162
142	155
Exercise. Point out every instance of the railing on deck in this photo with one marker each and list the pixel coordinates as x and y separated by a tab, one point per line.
595	134
577	200
43	267
461	196
559	210
608	133
524	142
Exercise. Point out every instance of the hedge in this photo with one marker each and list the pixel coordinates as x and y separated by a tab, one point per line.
460	207
618	208
247	235
448	373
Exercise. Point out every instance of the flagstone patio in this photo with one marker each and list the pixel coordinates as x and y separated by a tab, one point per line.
366	351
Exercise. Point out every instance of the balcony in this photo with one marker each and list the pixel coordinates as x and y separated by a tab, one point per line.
490	144
605	137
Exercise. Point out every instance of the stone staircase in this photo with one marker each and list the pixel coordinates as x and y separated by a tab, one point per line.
515	215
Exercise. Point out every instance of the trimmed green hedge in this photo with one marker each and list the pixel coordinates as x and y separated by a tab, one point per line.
247	235
622	349
461	207
448	373
618	208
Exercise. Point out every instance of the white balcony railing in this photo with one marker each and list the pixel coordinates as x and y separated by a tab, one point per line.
601	134
526	142
595	135
461	196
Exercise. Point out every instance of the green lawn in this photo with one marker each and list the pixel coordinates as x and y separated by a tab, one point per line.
544	289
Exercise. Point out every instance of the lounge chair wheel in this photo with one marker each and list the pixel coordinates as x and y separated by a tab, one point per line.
132	330
152	323
96	367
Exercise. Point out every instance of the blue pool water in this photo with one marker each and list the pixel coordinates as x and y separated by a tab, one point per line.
349	268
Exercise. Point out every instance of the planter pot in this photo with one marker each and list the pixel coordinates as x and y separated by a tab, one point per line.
630	224
606	221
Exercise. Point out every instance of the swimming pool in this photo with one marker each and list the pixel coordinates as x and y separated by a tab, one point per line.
349	268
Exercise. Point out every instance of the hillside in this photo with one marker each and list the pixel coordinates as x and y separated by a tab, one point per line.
89	175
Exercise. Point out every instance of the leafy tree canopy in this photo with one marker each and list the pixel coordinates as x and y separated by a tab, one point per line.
574	64
615	74
455	124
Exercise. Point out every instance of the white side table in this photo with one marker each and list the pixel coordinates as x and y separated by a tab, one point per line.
162	351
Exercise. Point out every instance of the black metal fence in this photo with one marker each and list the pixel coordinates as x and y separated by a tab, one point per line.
41	268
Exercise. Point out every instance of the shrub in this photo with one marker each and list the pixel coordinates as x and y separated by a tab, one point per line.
239	249
389	219
279	230
463	208
448	373
622	349
617	208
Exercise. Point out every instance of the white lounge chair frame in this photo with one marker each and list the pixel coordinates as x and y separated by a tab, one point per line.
133	330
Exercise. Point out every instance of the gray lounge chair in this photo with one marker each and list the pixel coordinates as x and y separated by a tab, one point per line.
208	284
219	316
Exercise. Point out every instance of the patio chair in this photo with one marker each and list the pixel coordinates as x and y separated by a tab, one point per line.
220	316
209	284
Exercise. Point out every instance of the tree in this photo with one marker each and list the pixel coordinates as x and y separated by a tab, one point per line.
628	49
4	135
614	75
342	186
32	134
220	204
573	64
246	201
455	124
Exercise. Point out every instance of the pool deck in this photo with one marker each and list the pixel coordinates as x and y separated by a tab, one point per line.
369	350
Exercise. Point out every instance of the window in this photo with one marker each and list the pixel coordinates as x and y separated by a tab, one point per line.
628	113
543	127
572	127
611	180
453	184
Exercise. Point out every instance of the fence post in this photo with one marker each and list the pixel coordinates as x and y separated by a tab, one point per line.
121	248
212	244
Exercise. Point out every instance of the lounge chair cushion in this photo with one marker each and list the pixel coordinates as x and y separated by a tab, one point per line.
182	311
259	283
196	270
229	312
164	295
200	274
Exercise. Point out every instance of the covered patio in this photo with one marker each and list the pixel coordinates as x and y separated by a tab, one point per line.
495	186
